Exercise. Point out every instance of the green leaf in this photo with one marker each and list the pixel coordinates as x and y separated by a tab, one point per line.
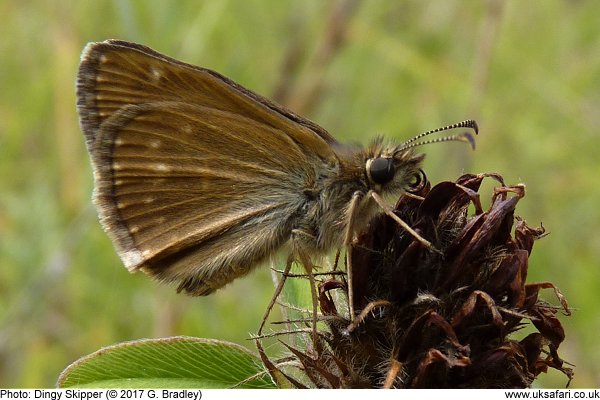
175	362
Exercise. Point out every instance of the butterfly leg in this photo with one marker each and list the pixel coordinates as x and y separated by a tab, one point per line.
278	289
403	224
309	266
298	253
356	197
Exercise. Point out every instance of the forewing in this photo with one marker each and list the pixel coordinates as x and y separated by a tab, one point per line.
114	74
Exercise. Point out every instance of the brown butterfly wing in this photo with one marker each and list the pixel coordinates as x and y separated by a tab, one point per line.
196	187
115	73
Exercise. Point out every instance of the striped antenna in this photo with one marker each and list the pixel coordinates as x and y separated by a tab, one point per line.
462	137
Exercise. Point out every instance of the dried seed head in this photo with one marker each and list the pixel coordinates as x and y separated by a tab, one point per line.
440	321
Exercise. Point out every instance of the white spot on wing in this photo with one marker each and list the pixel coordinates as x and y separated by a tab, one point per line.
162	167
155	144
132	258
103	59
156	74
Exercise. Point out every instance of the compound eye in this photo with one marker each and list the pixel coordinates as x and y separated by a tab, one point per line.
419	181
382	170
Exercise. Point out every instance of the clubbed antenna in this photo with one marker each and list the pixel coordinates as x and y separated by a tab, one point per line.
462	137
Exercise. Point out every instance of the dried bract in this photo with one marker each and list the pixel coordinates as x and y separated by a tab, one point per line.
447	320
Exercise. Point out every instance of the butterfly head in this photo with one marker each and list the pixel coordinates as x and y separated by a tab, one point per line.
392	170
397	168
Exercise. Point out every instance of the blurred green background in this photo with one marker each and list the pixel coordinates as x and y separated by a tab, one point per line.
528	71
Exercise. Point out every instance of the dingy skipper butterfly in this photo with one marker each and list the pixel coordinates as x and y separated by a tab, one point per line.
199	180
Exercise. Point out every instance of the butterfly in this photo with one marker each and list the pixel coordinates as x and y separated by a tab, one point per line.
198	180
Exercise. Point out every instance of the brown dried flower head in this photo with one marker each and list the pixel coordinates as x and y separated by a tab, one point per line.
430	320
